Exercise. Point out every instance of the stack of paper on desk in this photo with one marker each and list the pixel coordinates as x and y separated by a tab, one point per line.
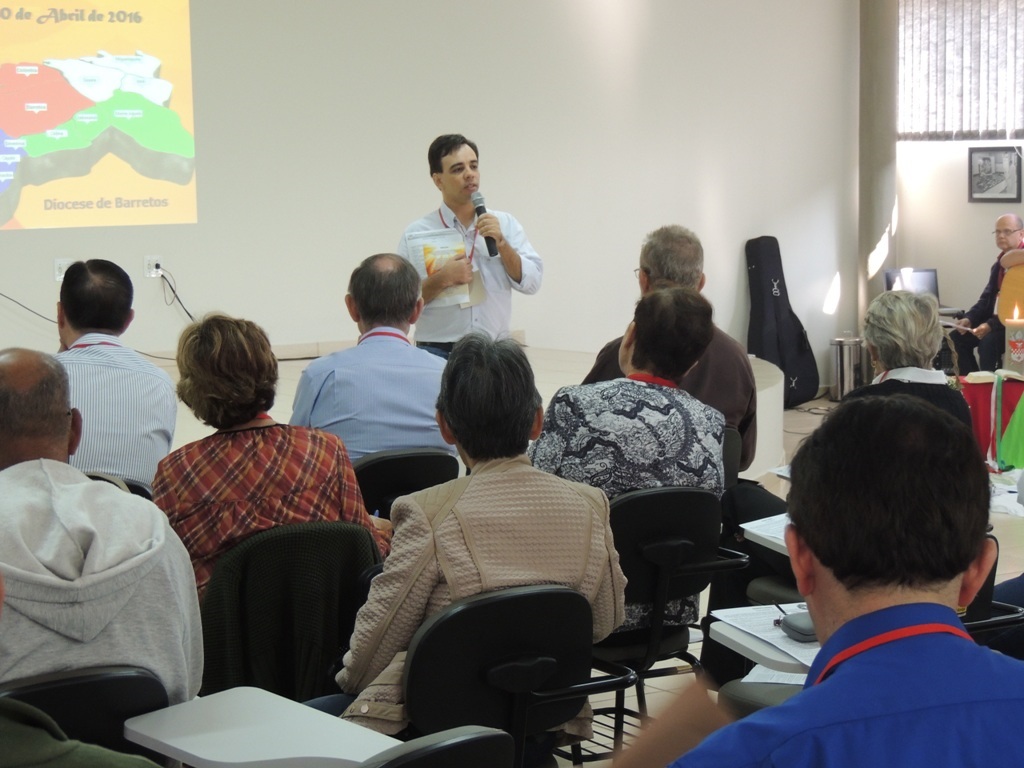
758	620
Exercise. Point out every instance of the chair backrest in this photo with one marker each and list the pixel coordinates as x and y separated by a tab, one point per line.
668	544
386	475
281	605
107	478
138	490
466	663
470	746
92	704
666	531
732	449
980	608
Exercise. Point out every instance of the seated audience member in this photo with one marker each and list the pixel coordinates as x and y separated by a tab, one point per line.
642	431
723	377
252	473
903	336
889	504
127	403
380	394
93	575
505	525
31	738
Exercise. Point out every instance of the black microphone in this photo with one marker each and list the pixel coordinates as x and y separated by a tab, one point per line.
478	202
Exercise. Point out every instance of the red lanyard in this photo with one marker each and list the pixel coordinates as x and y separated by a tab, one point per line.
648	379
889	637
94	344
471	250
370	334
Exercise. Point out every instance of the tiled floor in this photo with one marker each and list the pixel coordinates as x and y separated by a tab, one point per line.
554	369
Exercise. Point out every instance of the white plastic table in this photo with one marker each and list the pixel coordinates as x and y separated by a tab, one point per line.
252	728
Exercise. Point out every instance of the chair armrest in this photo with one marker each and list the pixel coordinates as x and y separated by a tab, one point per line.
617	677
728	560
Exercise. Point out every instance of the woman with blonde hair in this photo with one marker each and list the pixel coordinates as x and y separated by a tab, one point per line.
903	335
252	473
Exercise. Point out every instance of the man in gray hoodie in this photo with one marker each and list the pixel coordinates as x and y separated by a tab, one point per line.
93	575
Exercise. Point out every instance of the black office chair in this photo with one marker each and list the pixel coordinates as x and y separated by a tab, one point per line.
732	448
386	475
518	659
469	746
92	704
138	490
280	607
767	573
125	485
668	544
107	478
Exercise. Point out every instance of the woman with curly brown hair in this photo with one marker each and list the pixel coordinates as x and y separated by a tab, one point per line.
253	473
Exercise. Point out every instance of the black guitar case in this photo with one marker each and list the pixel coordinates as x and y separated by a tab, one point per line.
775	333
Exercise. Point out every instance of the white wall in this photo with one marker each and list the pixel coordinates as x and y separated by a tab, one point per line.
937	226
598	120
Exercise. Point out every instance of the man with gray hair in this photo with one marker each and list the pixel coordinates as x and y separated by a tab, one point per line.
980	328
378	395
722	377
94	576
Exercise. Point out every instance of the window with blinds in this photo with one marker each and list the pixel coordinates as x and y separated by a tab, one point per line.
961	70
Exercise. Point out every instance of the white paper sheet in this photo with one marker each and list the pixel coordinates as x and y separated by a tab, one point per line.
758	620
762	674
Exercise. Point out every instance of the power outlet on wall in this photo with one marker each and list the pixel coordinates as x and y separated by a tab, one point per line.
153	268
60	266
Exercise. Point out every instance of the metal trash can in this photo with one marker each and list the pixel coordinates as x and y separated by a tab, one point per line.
847	366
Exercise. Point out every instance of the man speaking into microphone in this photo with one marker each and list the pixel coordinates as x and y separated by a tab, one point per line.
470	258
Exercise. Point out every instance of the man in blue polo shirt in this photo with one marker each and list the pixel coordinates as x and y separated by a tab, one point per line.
889	505
381	394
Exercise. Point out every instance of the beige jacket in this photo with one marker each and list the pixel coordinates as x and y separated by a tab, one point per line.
507	525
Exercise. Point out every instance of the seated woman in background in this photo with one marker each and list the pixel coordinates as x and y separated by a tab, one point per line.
253	473
903	336
642	431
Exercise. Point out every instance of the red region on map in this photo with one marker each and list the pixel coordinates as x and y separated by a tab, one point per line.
47	87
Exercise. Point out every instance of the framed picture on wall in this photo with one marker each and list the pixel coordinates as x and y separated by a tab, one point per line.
993	174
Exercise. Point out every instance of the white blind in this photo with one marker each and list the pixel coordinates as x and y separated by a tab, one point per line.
961	69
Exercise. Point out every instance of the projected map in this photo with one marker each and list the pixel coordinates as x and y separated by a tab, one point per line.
98	139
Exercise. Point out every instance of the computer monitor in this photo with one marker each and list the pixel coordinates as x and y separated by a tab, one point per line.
918	280
913	279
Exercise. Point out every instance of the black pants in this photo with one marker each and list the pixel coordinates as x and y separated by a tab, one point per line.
990	350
